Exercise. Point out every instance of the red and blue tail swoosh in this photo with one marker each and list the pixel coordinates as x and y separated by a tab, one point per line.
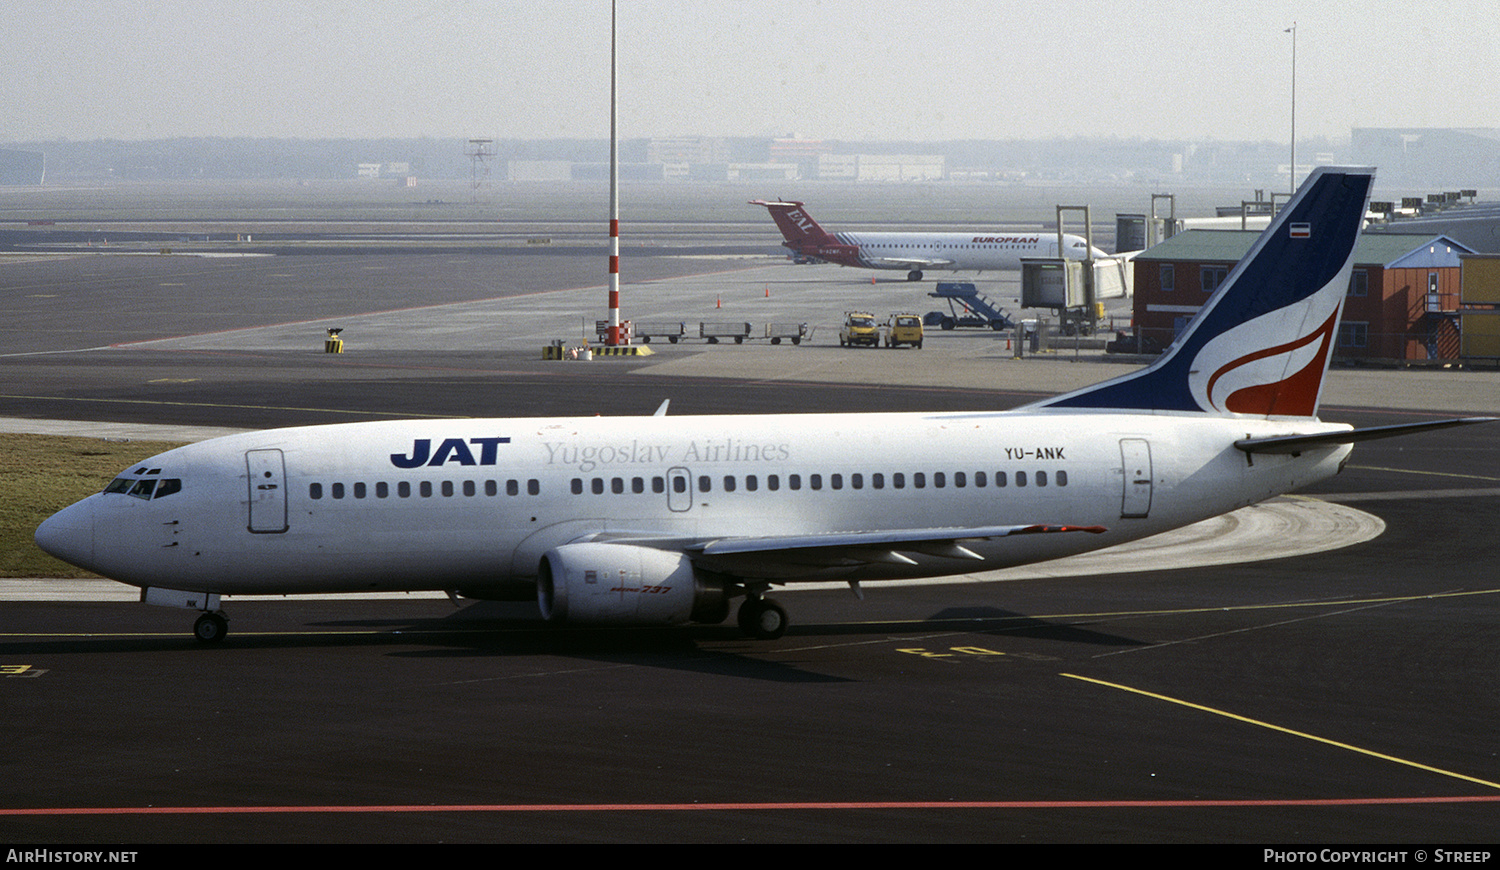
1261	344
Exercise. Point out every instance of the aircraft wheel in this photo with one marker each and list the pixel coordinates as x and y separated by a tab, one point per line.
762	618
210	628
914	275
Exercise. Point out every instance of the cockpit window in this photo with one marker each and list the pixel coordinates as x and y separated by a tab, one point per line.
144	487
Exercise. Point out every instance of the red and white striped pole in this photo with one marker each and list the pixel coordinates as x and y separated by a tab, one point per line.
614	198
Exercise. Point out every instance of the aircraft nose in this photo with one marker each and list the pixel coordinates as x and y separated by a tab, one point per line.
69	534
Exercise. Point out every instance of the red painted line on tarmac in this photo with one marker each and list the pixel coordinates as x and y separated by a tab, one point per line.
742	807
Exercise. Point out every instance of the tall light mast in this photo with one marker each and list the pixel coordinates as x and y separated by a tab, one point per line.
613	339
1292	171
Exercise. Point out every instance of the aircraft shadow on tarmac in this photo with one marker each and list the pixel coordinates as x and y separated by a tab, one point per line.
512	629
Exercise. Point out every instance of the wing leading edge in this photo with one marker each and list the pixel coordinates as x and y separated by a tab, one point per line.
910	262
788	557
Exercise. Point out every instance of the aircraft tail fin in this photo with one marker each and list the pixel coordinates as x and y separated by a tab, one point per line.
796	225
1262	342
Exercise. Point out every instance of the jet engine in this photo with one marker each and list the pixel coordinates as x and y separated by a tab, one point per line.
626	585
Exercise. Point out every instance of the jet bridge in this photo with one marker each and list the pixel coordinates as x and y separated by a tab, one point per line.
1064	287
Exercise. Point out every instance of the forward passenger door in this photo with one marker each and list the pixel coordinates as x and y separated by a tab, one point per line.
265	472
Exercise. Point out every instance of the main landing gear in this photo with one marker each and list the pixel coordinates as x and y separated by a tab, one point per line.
211	627
914	275
762	618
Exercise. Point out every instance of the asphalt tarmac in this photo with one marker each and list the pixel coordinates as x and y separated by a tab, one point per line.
1344	696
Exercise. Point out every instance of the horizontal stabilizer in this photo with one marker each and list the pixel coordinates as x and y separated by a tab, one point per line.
1298	443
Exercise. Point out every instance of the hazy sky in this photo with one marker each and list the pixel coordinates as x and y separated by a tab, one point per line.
836	69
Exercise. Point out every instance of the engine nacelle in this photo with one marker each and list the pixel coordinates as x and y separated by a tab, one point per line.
625	585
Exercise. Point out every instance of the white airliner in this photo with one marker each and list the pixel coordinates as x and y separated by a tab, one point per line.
951	252
662	520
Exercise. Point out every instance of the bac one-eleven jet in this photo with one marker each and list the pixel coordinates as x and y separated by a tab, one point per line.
662	520
913	251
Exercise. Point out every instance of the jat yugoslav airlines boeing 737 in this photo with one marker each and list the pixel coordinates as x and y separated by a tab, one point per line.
951	252
663	520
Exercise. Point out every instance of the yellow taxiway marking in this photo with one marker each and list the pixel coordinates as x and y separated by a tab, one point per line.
1427	473
977	621
1303	734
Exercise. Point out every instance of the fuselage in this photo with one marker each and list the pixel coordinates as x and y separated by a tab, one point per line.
474	504
957	252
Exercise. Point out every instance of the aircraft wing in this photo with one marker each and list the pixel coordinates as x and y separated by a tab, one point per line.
786	557
909	262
